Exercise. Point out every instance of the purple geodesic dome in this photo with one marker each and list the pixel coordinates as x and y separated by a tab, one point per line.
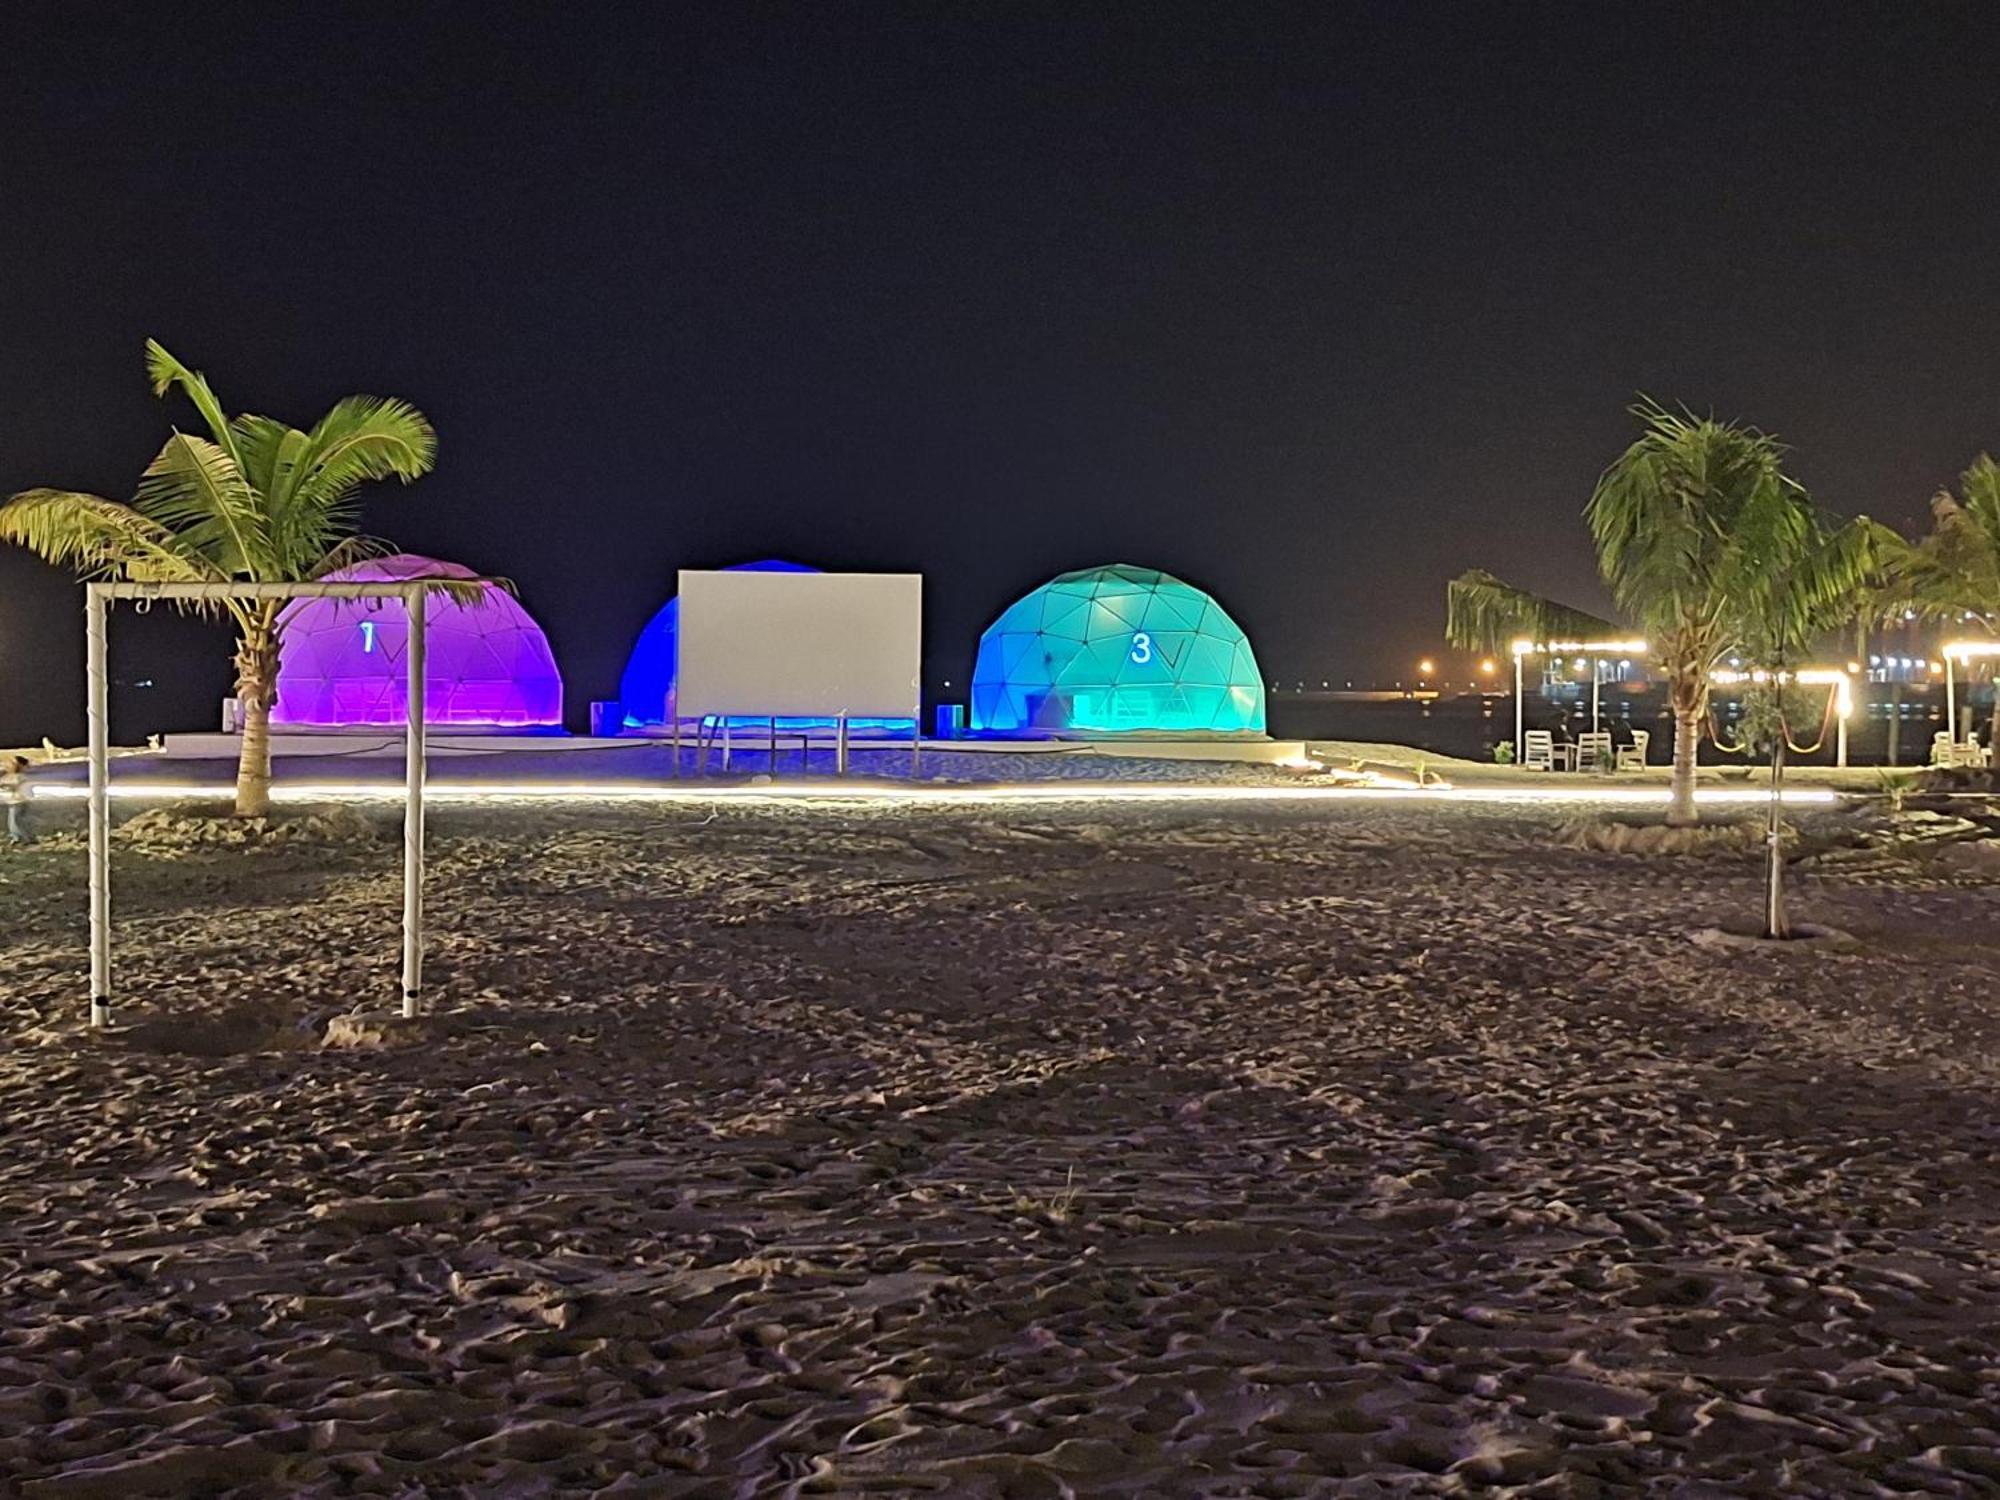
342	662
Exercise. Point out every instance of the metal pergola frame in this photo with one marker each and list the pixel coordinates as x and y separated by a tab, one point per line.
1598	651
97	599
1842	682
1961	651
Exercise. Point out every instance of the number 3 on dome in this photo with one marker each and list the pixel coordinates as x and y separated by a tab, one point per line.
1142	649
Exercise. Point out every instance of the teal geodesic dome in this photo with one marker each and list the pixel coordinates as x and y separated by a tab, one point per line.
1116	650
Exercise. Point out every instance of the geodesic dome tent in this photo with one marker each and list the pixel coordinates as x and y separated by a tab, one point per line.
1116	650
341	662
646	691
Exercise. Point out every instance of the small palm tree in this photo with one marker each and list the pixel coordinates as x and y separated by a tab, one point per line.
255	501
1711	549
1953	575
1819	573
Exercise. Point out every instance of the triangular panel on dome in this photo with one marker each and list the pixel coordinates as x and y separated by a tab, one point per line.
1174	609
1066	615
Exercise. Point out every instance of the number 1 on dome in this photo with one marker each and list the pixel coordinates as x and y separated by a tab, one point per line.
367	637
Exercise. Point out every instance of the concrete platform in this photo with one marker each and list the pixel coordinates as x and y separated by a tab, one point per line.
1239	752
287	744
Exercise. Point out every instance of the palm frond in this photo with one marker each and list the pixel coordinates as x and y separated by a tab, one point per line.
1955	570
355	550
100	539
1483	613
362	438
194	488
1670	514
347	553
464	590
164	372
269	452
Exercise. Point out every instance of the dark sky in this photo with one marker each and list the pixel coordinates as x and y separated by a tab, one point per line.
1313	305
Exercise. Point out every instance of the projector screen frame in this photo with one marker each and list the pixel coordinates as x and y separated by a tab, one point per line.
862	659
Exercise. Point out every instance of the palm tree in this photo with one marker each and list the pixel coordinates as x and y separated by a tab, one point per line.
255	501
1484	613
1878	598
1816	576
1711	549
1953	574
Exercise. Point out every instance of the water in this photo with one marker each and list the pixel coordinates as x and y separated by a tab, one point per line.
1470	725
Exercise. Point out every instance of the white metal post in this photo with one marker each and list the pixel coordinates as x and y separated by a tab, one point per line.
413	817
97	597
1520	722
96	710
840	746
1596	673
1950	706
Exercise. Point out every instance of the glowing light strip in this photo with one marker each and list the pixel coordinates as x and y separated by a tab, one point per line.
1966	650
1564	648
555	791
1823	676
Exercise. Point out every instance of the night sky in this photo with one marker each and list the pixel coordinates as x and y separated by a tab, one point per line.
1315	306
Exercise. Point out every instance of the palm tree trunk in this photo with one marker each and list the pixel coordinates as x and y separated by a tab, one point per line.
1993	732
1776	925
1680	804
256	687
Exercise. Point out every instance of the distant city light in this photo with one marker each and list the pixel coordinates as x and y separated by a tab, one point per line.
1426	667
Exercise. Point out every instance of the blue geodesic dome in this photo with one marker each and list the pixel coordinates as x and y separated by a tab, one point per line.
646	691
1116	650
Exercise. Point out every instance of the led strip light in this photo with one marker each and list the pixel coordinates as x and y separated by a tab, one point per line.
583	791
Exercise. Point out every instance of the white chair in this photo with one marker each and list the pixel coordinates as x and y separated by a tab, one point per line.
1538	750
1943	752
1969	754
1632	757
1593	751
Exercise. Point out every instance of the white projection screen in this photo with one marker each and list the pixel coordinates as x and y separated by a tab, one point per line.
800	645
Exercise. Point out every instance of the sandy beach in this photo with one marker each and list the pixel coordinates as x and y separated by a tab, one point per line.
1181	1150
